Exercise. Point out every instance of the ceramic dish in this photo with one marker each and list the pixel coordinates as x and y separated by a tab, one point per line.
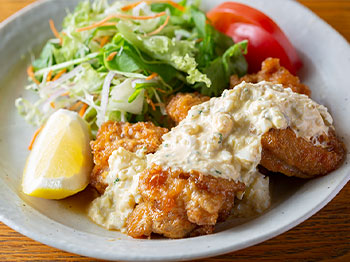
63	225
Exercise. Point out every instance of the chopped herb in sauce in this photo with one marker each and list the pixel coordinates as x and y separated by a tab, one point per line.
220	138
116	180
218	172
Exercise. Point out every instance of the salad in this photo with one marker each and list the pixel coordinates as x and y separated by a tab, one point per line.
122	61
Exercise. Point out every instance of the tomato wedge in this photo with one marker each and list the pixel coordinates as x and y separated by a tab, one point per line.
261	45
230	12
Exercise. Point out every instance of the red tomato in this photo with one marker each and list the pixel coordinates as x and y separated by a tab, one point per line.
261	45
229	12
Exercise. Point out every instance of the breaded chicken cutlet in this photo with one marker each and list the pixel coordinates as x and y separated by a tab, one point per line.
132	137
175	204
272	71
282	150
179	105
178	204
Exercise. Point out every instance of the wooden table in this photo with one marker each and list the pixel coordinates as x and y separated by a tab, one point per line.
325	236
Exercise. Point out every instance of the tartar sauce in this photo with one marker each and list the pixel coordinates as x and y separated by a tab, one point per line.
222	137
112	209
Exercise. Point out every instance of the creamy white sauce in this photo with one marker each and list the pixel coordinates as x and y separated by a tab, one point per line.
222	137
256	197
112	209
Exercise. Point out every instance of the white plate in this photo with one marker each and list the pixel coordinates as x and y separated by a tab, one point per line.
326	57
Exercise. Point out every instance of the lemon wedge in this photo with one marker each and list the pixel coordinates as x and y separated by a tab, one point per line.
60	162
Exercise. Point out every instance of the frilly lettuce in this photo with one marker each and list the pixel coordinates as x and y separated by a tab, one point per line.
178	53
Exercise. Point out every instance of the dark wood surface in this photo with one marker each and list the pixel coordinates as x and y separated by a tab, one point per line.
323	237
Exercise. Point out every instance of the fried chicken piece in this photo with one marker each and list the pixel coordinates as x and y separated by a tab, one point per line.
178	204
113	135
272	71
284	152
179	105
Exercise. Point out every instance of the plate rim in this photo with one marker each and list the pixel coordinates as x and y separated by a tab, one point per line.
215	251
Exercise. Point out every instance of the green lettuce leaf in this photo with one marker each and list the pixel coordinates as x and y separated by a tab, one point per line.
178	53
220	69
46	57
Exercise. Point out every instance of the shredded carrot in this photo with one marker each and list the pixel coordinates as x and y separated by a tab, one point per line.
83	110
174	4
111	56
199	40
109	23
104	41
49	75
159	104
160	90
120	16
153	75
54	30
65	94
52	104
75	106
36	133
59	74
150	102
30	72
161	27
95	24
131	6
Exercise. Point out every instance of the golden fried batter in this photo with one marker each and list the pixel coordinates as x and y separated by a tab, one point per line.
180	104
177	204
272	71
284	152
113	135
